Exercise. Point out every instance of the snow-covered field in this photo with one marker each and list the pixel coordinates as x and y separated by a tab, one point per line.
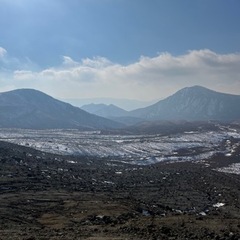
140	149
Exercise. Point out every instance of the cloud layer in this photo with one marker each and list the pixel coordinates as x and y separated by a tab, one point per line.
146	79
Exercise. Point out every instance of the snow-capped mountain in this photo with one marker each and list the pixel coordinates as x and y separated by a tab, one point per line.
193	103
28	108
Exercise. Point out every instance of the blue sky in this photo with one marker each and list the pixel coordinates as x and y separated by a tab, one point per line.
141	49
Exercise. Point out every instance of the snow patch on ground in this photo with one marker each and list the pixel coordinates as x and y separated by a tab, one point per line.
233	168
217	205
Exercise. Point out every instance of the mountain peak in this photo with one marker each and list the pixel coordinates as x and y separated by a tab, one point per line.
24	91
196	87
104	110
195	90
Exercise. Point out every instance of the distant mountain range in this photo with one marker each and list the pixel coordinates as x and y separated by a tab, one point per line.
126	104
103	110
27	108
112	112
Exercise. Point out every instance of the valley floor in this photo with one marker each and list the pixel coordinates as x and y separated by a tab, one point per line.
47	196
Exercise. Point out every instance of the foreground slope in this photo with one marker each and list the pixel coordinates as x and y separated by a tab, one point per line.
45	196
28	108
193	103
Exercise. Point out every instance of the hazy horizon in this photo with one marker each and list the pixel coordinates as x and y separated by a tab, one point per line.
126	104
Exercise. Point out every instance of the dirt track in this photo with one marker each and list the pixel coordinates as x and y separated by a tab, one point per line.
43	196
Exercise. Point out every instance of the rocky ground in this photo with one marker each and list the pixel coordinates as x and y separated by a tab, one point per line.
46	196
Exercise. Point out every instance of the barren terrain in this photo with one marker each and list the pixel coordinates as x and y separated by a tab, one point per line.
48	196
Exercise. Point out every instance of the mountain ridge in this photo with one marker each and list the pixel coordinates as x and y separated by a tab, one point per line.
104	110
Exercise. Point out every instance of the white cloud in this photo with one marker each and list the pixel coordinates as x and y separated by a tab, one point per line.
10	63
96	62
148	78
69	62
3	52
24	75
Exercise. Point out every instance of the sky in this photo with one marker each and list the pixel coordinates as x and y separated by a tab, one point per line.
133	49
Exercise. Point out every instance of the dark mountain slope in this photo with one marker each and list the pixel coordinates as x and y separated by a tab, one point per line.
193	103
27	108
